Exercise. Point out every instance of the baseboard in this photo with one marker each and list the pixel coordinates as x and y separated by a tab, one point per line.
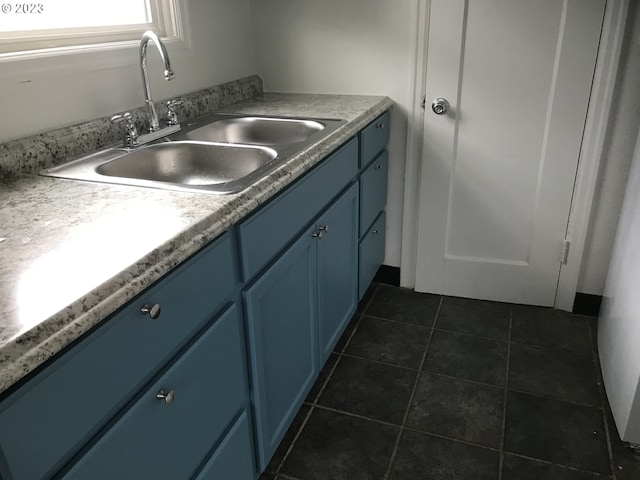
587	304
388	275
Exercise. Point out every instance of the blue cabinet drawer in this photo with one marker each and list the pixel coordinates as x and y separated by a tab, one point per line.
60	408
373	191
158	439
371	254
232	460
374	138
266	232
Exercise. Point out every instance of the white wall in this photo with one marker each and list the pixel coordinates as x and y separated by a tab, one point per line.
222	50
615	164
346	47
619	328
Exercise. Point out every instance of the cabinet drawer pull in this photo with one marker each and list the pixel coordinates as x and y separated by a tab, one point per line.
379	125
168	397
323	228
317	235
153	310
377	166
375	232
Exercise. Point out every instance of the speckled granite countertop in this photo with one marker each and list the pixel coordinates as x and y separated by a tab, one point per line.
75	252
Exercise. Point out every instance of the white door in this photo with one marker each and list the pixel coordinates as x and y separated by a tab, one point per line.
499	165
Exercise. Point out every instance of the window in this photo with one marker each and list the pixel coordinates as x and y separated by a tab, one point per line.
36	25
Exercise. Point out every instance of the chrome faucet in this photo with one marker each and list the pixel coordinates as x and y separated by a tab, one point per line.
131	137
152	115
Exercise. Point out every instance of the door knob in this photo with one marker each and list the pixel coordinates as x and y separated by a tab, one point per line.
440	106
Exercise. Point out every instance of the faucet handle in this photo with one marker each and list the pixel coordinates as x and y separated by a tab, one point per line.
172	116
130	130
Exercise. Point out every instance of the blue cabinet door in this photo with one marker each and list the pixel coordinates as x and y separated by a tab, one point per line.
281	321
337	269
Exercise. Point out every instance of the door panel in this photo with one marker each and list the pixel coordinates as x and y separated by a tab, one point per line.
281	320
499	166
337	270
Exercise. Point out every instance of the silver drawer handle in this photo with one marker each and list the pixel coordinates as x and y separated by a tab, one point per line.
323	228
316	234
168	397
377	167
379	125
375	232
153	311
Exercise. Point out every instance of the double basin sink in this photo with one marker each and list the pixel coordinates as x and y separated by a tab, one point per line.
216	153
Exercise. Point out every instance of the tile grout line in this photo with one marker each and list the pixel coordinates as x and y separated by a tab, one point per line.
553	347
504	402
376	317
326	381
603	401
560	465
361	315
379	362
356	415
394	452
295	438
501	340
416	430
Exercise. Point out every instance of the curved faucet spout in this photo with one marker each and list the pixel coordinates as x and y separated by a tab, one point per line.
154	124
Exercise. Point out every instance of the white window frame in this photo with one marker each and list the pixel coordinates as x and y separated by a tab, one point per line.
77	51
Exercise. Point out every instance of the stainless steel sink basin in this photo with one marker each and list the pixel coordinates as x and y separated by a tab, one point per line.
257	130
181	165
189	163
214	154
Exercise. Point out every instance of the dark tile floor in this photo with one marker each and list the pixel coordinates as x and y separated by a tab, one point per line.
440	388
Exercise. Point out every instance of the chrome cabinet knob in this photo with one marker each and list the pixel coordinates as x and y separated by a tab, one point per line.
168	397
440	106
377	166
375	232
323	228
380	125
316	234
153	311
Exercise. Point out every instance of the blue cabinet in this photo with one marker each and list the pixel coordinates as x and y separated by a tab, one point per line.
281	321
298	307
61	407
337	269
204	391
267	231
168	431
373	198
